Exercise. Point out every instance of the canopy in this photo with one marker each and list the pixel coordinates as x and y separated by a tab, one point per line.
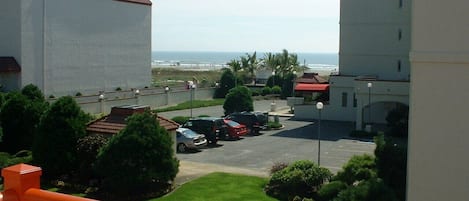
311	87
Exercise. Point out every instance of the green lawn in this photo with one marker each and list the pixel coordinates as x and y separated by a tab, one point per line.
221	186
195	104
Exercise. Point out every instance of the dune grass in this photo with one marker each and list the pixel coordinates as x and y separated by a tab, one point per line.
221	187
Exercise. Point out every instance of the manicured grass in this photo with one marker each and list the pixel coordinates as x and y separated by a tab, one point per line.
221	187
195	104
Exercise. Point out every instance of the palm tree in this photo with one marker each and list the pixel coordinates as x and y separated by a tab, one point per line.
235	66
253	65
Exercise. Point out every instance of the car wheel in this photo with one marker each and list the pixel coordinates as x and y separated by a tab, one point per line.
181	147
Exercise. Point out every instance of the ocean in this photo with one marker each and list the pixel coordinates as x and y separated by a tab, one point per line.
214	60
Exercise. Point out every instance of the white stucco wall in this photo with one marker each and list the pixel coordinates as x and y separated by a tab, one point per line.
438	168
369	38
85	46
10	32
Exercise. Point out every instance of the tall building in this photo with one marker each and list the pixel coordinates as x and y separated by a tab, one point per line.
70	46
373	62
438	165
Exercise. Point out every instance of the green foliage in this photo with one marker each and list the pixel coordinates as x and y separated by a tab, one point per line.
287	86
391	162
255	93
398	121
276	80
138	159
302	178
23	156
274	124
227	82
78	94
237	100
180	119
54	147
331	190
195	104
276	89
87	151
369	190
277	167
358	168
266	90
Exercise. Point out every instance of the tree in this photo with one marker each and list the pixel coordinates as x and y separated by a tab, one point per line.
398	121
235	66
138	158
54	147
227	82
358	168
237	100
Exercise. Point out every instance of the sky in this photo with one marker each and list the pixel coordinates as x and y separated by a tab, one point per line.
310	26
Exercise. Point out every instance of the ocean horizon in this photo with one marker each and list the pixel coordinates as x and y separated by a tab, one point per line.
213	60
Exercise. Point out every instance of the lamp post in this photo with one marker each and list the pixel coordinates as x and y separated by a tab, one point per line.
319	106
191	88
293	84
101	100
137	92
166	91
370	85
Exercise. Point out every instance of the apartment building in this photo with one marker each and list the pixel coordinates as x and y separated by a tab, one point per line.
70	46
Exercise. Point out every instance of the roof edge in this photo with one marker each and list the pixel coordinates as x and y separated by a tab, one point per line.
143	2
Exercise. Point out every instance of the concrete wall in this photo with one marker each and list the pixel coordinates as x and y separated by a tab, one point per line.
150	97
10	21
369	38
67	46
438	168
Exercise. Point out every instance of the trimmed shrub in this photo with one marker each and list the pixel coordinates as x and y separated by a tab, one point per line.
255	93
87	150
239	99
277	167
227	82
180	119
266	90
276	89
331	190
370	190
302	178
358	168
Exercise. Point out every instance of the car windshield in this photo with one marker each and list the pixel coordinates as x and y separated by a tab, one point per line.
232	123
189	133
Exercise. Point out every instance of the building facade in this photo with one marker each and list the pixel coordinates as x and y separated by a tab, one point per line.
438	167
68	46
373	62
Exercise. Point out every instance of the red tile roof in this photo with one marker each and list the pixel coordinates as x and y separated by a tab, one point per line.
9	64
144	2
311	78
115	121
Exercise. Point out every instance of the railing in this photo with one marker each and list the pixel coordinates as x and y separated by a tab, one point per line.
22	183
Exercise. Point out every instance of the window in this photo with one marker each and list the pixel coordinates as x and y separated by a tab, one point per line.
344	99
399	34
400	3
354	100
398	65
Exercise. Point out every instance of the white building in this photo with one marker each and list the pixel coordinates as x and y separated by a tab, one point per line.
70	46
438	165
374	48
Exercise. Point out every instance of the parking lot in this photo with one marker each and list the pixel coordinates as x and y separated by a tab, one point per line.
296	141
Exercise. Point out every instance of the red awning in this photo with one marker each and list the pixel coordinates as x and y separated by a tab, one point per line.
311	87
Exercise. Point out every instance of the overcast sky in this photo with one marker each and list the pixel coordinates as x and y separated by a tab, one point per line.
246	25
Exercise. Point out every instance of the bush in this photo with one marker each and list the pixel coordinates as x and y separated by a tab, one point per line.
277	167
87	150
302	178
238	99
54	147
398	121
331	190
276	89
227	82
358	168
180	119
255	93
266	90
78	94
274	125
139	159
370	190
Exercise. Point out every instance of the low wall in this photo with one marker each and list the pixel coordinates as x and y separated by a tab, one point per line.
152	97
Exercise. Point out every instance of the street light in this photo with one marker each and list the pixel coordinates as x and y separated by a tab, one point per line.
166	89
293	84
191	88
319	106
370	85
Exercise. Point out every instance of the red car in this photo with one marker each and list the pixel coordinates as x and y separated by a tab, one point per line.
235	130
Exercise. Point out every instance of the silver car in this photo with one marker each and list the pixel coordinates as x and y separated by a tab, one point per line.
188	139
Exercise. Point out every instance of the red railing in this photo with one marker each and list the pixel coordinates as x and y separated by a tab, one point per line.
22	183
